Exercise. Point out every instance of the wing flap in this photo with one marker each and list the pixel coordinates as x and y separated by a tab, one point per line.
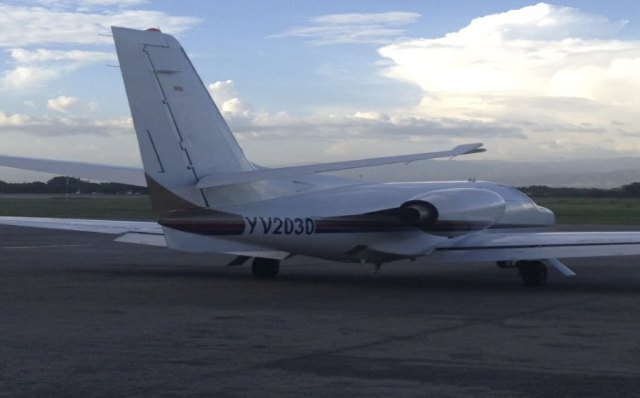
220	179
535	246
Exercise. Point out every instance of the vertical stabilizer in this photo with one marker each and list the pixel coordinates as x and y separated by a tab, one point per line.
181	133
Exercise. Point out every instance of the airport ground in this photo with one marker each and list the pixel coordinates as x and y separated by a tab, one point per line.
82	316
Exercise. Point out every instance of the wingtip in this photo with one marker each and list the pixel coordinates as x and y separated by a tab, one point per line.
469	148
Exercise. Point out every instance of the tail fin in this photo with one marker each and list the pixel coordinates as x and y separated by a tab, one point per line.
181	133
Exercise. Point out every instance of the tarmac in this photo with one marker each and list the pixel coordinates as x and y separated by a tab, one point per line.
83	316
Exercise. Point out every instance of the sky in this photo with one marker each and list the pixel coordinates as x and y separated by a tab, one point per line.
318	81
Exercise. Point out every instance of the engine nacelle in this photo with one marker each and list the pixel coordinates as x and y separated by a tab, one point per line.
454	211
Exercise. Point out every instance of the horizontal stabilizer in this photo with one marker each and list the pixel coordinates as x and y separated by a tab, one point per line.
93	171
220	179
72	224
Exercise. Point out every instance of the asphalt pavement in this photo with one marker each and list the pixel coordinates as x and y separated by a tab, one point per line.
83	316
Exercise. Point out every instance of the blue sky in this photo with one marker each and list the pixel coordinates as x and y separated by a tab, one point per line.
329	80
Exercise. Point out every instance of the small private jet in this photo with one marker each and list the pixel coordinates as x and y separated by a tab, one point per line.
210	198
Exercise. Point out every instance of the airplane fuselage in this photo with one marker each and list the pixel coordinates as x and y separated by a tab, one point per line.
287	223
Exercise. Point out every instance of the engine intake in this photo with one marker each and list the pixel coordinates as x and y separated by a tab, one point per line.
418	212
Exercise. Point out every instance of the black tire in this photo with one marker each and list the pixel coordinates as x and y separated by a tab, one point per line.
533	273
265	267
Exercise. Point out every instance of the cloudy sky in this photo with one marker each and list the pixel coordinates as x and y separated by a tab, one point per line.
333	80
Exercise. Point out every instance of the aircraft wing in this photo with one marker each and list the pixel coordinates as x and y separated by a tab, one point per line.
538	246
135	176
473	248
220	179
148	233
93	171
141	232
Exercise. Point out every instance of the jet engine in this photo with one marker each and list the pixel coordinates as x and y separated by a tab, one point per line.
453	212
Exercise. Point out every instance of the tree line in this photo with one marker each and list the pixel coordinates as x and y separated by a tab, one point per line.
70	185
64	185
541	191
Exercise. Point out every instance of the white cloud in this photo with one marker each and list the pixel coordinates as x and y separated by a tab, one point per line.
62	103
248	123
90	3
539	22
70	105
22	25
383	18
372	28
35	68
63	126
224	94
553	75
23	77
548	70
222	91
108	3
24	56
67	22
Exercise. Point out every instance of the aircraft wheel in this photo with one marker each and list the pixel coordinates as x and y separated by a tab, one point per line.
533	273
265	267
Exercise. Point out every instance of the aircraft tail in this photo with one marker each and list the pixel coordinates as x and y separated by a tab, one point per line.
181	133
190	157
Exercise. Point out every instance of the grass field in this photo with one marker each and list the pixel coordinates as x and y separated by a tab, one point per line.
593	210
132	207
138	207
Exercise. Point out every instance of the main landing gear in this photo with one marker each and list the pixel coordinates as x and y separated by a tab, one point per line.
265	267
533	273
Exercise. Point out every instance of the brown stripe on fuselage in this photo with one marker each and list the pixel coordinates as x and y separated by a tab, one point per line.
163	200
203	221
180	214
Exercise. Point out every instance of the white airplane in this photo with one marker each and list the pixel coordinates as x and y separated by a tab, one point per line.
210	198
